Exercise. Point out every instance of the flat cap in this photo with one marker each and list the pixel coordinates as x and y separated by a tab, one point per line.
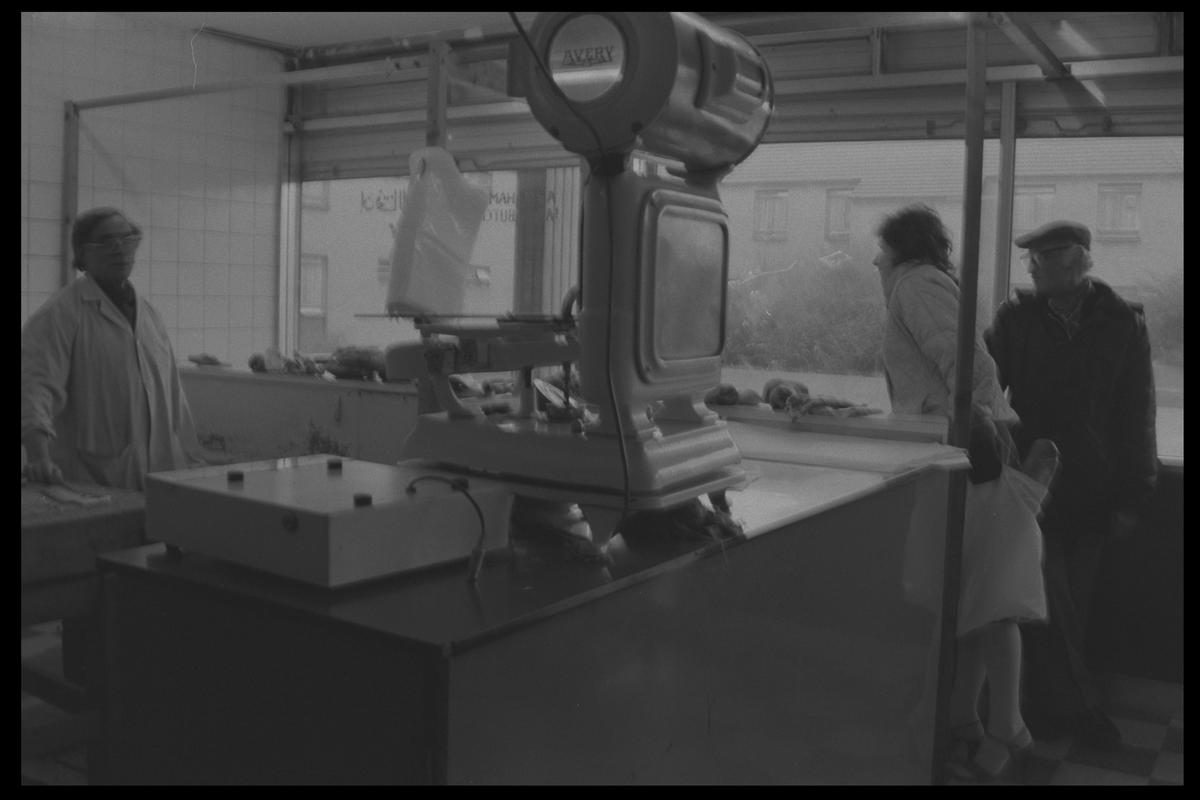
1053	234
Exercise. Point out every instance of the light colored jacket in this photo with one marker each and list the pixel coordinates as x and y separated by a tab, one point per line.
920	346
110	399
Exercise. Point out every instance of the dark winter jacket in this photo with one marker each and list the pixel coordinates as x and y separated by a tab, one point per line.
1091	393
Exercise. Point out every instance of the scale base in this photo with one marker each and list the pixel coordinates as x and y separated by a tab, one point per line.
549	462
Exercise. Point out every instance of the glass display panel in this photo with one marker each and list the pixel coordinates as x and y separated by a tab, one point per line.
689	298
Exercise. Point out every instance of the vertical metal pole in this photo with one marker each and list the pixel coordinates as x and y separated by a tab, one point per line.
1007	189
70	186
287	337
964	379
972	203
438	94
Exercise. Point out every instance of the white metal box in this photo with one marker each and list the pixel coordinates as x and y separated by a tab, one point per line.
325	520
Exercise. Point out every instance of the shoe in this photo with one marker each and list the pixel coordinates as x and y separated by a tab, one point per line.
1095	729
961	750
996	759
1046	727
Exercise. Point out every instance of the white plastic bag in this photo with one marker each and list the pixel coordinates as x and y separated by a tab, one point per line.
1001	555
435	237
1002	552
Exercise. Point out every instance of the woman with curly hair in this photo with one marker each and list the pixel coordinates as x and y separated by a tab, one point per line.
1001	581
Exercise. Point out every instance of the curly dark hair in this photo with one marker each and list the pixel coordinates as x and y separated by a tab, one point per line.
916	233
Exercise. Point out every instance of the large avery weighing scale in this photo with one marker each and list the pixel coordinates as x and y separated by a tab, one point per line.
655	253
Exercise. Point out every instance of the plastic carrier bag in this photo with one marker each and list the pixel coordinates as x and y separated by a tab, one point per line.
1001	555
435	237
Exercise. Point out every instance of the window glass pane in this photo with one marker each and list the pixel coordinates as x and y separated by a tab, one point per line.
531	222
812	309
817	317
800	304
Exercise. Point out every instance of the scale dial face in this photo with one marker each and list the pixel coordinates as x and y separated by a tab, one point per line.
587	57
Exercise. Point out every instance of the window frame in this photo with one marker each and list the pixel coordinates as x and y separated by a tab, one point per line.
309	260
1121	190
846	195
771	215
1036	216
314	202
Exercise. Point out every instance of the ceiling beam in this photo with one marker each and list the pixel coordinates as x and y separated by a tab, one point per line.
250	41
462	41
751	24
1083	70
383	70
1020	32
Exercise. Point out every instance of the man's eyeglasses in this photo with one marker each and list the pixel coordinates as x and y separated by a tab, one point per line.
129	241
1038	256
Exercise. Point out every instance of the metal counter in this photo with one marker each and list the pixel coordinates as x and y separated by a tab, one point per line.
787	657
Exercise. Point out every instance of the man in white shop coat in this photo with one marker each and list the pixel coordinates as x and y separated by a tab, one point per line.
101	397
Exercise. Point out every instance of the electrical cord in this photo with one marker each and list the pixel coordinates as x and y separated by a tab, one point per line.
604	159
568	315
475	563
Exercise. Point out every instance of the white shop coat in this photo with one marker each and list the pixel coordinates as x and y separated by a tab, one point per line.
920	346
110	399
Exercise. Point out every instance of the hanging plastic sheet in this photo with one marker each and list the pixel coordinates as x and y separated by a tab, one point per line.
431	255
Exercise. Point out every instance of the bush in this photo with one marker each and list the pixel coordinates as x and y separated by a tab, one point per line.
813	318
1162	297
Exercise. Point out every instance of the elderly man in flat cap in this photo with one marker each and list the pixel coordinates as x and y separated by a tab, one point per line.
1075	358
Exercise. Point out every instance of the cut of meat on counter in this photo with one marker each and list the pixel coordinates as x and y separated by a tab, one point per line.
726	394
788	396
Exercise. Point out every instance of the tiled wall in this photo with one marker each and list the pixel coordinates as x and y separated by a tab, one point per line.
199	174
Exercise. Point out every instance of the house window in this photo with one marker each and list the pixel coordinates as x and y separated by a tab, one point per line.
1032	206
771	215
314	270
315	195
1120	210
837	213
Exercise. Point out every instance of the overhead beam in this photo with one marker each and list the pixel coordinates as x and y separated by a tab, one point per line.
1083	70
757	23
437	94
385	69
249	41
515	109
465	42
1021	33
